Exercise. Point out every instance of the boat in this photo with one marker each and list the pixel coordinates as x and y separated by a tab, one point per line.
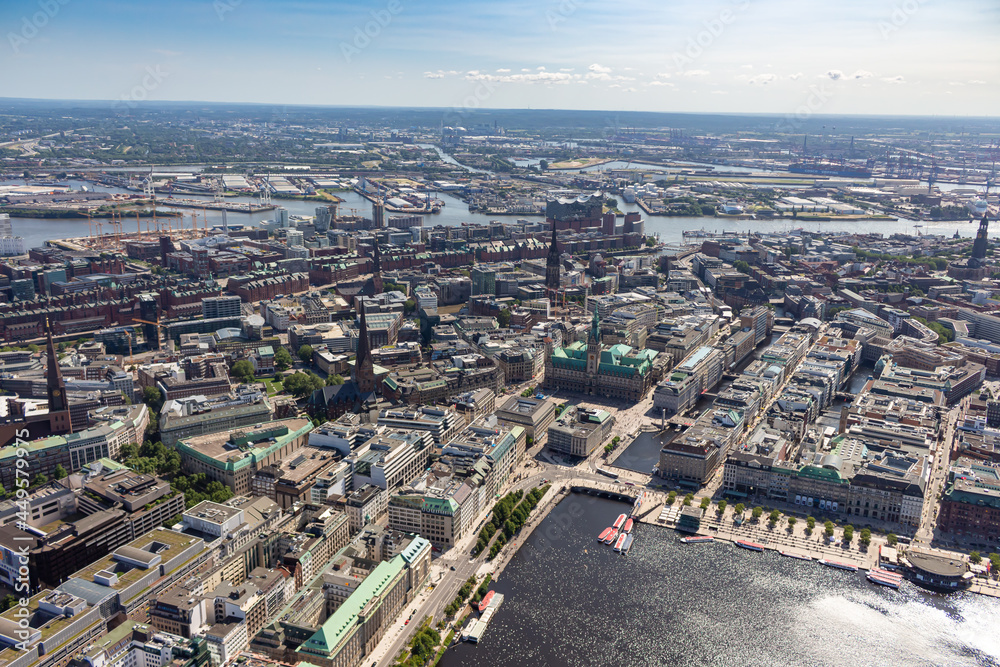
620	542
884	577
628	544
628	526
604	534
789	554
619	521
752	546
837	564
486	601
611	536
697	539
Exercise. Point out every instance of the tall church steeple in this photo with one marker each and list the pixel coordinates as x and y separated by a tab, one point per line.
594	348
59	419
979	247
364	367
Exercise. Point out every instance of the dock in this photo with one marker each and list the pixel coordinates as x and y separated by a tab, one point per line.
235	207
475	628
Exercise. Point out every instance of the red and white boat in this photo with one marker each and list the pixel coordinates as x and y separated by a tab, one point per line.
752	546
628	526
619	521
837	564
620	542
604	534
611	536
697	539
884	577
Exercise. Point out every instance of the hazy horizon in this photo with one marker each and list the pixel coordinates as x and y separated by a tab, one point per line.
885	58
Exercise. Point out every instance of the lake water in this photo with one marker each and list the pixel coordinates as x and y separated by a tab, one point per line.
573	602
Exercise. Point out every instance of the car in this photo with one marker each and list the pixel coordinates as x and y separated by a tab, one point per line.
452	568
406	622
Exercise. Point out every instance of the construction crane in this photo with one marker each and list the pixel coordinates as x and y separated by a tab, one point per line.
155	324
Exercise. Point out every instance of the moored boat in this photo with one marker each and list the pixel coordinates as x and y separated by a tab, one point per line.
611	536
620	542
752	546
628	544
837	564
619	521
697	539
884	578
789	554
604	534
628	526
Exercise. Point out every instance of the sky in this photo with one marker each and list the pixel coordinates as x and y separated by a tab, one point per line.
918	57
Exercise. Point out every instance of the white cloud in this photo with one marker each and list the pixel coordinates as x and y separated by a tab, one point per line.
529	77
976	82
503	70
862	74
746	66
834	74
599	69
696	73
433	75
540	68
894	79
796	76
567	69
659	83
663	75
955	83
762	79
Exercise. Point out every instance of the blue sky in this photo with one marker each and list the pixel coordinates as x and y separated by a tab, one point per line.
774	56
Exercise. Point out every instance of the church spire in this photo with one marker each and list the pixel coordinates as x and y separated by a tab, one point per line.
364	367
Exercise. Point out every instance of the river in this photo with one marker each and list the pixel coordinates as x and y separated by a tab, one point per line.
570	601
455	212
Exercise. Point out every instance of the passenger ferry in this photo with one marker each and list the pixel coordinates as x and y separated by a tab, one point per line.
604	534
884	578
752	546
628	544
611	536
628	526
837	564
697	539
620	542
619	521
789	554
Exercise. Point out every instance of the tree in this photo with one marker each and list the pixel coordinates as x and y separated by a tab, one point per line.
671	497
810	522
774	516
503	318
995	563
409	306
39	480
791	522
848	533
687	499
739	509
152	397
243	370
302	384
891	539
705	502
59	472
282	359
306	354
866	537
721	508
332	380
975	558
828	528
757	512
8	601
